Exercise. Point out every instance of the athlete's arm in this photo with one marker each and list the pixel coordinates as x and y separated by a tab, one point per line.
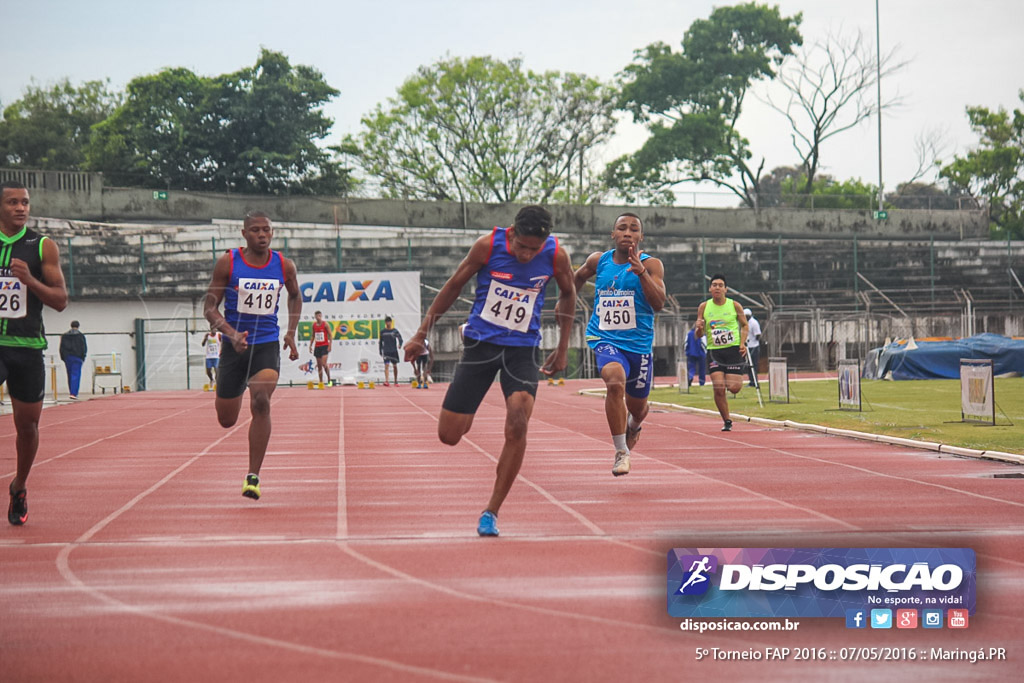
474	261
51	289
291	284
586	271
565	310
211	304
698	327
652	280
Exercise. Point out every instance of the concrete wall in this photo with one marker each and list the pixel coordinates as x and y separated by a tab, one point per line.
83	196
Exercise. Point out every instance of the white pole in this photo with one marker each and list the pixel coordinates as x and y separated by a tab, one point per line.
878	79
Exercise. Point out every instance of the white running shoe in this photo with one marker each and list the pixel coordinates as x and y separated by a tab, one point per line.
621	463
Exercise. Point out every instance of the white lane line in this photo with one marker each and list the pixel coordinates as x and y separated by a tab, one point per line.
102	439
342	521
536	487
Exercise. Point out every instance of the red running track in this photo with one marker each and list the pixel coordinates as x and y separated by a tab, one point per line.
142	561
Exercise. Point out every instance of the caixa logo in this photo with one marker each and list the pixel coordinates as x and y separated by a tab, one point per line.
347	290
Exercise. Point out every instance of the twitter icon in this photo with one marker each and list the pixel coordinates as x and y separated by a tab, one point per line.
881	618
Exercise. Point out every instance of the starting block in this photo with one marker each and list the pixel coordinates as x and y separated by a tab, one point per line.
206	387
360	385
311	384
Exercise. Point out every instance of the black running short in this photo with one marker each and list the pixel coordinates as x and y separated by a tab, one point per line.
321	351
236	369
390	357
25	373
475	373
727	360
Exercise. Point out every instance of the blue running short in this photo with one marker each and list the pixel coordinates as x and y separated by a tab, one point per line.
639	367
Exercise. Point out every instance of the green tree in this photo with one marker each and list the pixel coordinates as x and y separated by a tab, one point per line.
254	131
825	193
915	195
994	169
49	128
480	129
691	100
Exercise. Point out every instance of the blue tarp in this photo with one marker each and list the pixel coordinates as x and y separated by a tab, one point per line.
941	359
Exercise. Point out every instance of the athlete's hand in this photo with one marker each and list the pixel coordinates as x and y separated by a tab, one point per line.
414	348
240	341
556	361
19	269
634	260
289	341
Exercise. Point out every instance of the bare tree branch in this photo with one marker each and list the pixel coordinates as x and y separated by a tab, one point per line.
830	87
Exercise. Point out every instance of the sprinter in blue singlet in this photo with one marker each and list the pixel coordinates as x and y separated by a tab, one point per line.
250	280
513	266
628	290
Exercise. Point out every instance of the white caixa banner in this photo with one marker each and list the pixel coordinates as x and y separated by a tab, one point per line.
354	306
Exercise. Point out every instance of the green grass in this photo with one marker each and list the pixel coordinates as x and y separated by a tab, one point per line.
927	410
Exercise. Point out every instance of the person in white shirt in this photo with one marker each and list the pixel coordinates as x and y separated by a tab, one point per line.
753	343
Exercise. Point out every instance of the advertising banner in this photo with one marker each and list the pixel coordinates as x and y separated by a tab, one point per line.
354	306
778	380
849	384
977	391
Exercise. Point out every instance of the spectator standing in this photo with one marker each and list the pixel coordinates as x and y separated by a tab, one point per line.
73	350
753	343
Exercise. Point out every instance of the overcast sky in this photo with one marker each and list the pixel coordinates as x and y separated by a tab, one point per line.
959	54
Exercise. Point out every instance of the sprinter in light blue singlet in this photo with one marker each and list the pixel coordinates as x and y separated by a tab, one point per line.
628	290
512	266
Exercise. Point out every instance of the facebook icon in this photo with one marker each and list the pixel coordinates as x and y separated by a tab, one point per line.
856	618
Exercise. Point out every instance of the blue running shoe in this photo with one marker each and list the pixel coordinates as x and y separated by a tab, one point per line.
488	525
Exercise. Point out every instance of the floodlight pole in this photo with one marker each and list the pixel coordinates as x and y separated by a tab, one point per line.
878	83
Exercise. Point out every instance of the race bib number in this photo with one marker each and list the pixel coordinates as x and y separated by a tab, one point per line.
319	337
616	313
723	337
509	307
213	349
258	297
12	297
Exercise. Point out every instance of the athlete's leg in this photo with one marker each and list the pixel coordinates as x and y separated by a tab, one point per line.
718	383
26	424
518	408
734	383
227	410
638	408
261	388
614	376
452	426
